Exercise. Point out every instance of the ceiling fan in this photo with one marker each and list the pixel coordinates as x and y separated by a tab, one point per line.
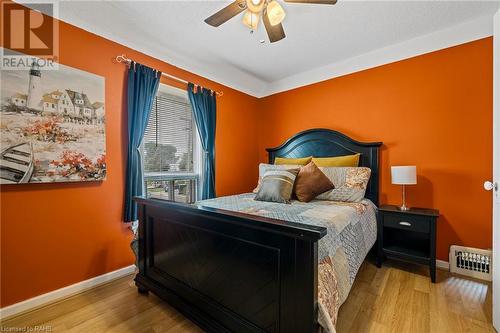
270	11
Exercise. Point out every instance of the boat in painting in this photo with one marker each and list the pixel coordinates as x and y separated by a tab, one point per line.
16	164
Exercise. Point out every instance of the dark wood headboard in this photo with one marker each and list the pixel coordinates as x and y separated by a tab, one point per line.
320	142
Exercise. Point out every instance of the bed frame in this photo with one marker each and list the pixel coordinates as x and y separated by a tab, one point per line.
233	272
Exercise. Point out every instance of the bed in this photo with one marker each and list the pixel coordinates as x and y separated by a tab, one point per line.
233	265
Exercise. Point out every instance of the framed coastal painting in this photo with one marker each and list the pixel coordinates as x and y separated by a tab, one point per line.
52	126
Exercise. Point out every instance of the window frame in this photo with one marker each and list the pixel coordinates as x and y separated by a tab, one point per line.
195	177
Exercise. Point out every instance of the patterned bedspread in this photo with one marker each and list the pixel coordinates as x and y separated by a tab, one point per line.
352	231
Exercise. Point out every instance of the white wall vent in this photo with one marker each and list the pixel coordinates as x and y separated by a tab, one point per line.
472	262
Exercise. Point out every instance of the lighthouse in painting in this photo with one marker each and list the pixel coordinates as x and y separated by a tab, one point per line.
35	88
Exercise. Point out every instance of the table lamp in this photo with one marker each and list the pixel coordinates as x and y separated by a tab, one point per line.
404	175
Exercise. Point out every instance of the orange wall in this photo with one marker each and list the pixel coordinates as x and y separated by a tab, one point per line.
54	235
433	111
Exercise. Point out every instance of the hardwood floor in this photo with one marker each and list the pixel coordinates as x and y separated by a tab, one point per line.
114	307
395	298
400	298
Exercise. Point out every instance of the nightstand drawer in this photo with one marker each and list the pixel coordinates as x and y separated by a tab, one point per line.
407	222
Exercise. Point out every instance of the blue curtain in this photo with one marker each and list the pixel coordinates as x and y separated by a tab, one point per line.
204	112
142	87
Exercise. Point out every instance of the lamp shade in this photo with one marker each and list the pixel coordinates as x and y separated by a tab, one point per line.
404	175
251	19
275	13
255	6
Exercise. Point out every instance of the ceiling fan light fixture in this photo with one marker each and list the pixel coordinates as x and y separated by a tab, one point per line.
251	19
255	6
275	13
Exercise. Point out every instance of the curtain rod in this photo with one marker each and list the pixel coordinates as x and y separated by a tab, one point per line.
123	59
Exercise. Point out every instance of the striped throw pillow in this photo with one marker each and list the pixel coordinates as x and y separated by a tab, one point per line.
263	168
277	186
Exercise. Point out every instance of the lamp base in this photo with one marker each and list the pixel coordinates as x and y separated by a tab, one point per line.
403	206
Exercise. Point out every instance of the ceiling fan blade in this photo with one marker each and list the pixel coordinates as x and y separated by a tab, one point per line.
275	32
226	13
317	2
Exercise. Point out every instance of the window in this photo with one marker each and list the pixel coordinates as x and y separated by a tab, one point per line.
171	148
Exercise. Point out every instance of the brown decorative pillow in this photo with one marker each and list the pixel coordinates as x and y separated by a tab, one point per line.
311	182
277	186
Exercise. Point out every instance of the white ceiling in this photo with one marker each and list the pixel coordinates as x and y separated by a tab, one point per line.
318	36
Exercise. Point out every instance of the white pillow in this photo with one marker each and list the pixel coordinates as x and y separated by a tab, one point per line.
350	183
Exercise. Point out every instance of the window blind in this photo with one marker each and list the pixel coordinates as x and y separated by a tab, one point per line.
168	140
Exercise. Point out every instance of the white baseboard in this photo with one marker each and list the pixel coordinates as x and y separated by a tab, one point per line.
56	295
443	264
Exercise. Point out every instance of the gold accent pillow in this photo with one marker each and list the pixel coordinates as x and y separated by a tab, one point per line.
338	161
350	183
292	161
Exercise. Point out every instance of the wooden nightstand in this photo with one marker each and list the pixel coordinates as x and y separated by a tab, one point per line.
408	236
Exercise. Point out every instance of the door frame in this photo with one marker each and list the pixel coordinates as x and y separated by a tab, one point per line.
496	172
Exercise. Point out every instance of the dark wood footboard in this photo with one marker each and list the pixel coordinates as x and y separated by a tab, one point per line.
230	272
